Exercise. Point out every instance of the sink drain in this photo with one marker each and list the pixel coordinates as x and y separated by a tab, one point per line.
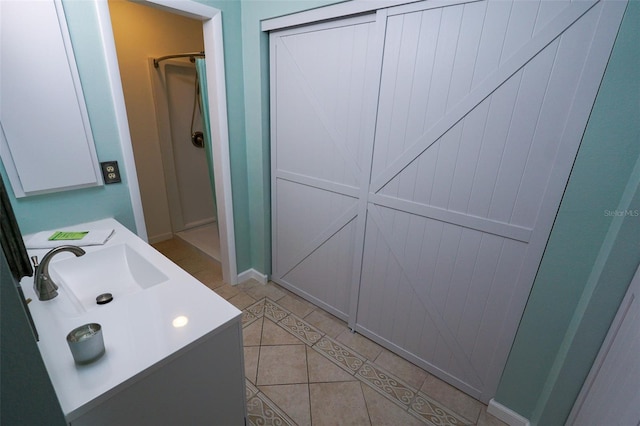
104	298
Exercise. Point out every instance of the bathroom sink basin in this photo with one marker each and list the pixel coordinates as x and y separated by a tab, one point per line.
119	270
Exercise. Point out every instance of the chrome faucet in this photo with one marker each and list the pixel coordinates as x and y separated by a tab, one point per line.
43	285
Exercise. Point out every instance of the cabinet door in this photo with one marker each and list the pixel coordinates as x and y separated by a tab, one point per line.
47	144
323	98
481	111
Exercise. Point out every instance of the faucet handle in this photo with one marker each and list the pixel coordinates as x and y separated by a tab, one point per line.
34	259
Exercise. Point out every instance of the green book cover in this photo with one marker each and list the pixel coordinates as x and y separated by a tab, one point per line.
67	235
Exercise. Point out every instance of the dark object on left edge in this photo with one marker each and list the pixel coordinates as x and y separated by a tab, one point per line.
11	238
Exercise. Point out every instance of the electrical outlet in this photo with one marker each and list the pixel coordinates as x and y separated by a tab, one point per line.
110	172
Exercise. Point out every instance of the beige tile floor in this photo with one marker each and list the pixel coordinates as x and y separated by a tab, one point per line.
304	366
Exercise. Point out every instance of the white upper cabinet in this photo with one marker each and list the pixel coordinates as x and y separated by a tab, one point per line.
46	142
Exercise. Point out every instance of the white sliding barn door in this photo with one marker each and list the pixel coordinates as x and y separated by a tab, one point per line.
438	215
323	99
482	108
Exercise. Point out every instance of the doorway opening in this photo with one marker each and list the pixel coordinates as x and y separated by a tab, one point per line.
190	193
147	159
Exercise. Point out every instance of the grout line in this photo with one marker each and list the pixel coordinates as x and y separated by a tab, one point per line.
407	408
279	309
306	357
365	403
259	353
275	407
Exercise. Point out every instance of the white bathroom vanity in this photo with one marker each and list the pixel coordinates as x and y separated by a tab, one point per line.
173	347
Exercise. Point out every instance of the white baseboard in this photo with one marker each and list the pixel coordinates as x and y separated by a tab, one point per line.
161	237
505	414
252	274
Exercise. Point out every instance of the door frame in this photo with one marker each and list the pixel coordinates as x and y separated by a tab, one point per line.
211	19
611	347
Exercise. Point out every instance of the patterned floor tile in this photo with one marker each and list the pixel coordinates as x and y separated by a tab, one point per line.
385	383
435	414
261	411
250	390
274	311
292	399
340	369
338	403
322	370
384	412
339	354
326	323
247	318
274	334
257	309
410	373
357	342
306	332
452	398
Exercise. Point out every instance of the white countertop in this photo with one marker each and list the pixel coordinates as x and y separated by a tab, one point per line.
137	329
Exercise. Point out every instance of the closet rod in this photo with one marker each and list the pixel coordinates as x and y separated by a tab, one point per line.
191	56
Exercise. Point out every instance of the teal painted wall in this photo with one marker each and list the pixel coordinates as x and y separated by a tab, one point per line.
232	37
561	330
247	73
40	212
66	208
545	369
255	51
246	64
587	266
